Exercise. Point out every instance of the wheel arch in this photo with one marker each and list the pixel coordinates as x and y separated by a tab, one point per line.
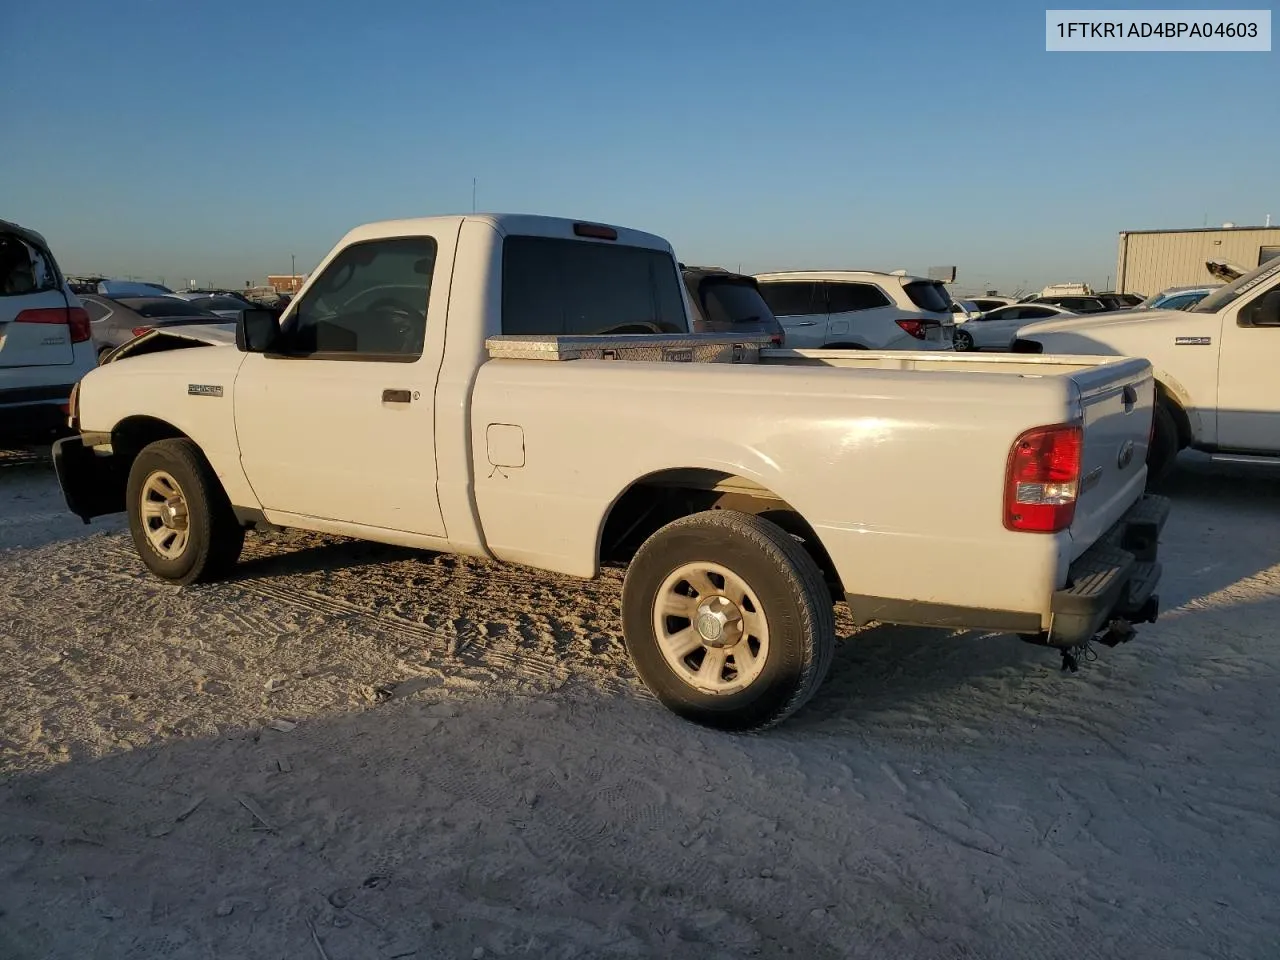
1177	402
659	497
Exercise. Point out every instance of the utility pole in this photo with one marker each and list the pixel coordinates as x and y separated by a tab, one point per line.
473	194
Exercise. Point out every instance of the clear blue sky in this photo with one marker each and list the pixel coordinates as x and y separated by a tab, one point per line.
155	139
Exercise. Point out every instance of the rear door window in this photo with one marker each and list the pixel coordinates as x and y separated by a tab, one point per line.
553	286
851	297
794	298
928	296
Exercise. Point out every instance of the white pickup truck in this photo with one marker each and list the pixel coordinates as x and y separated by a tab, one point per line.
1215	367
466	384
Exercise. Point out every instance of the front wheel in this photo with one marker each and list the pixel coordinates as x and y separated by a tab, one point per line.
963	340
182	523
728	620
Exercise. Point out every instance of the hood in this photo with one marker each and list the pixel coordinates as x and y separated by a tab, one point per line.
175	338
1098	321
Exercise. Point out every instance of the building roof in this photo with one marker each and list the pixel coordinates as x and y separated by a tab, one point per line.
1203	230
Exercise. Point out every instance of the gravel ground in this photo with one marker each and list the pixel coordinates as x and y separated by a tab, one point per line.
354	751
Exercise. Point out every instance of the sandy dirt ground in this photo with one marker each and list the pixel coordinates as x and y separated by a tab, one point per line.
353	751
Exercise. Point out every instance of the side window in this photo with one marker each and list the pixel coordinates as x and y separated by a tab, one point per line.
24	269
848	297
556	287
369	304
1035	313
793	298
1267	253
97	312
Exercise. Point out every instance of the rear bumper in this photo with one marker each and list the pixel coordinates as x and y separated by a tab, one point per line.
31	413
92	485
1115	579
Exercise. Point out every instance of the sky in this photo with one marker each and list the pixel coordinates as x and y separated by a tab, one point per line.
214	141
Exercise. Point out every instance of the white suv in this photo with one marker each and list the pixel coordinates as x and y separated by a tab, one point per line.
45	341
860	310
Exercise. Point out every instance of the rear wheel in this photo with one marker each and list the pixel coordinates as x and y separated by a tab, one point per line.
963	340
728	620
1164	445
182	523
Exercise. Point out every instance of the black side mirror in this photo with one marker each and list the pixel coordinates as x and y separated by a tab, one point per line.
257	330
1265	311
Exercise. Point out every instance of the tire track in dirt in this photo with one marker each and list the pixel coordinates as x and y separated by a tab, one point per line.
470	649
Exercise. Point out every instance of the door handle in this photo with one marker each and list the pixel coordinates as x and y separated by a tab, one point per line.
396	396
803	323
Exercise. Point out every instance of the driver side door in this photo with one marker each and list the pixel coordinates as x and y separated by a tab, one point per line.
336	423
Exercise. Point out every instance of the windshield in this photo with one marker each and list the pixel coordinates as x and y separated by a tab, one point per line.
220	303
164	307
1228	294
928	296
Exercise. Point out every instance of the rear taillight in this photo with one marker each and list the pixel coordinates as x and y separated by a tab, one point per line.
776	339
139	331
74	318
78	321
915	328
1042	480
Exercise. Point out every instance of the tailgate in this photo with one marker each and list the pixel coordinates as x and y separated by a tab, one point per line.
1118	401
34	331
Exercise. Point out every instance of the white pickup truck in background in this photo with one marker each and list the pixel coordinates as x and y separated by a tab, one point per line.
1215	365
466	384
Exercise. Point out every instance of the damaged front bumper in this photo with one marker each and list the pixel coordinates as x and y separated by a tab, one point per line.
1112	584
92	484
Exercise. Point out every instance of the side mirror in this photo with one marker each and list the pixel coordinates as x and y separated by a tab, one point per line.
1265	311
257	330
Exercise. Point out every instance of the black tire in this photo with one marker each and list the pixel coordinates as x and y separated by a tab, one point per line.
963	340
1163	451
795	604
102	355
214	536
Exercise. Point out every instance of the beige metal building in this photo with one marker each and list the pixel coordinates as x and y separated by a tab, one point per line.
1153	260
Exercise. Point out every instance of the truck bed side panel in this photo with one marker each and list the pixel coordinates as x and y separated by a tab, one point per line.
902	478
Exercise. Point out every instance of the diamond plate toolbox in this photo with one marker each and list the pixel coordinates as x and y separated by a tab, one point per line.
666	348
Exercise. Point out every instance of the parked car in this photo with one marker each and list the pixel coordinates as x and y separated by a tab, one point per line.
524	433
1119	301
1177	298
1074	303
45	341
725	302
986	303
226	305
859	310
117	320
996	329
1215	367
130	288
